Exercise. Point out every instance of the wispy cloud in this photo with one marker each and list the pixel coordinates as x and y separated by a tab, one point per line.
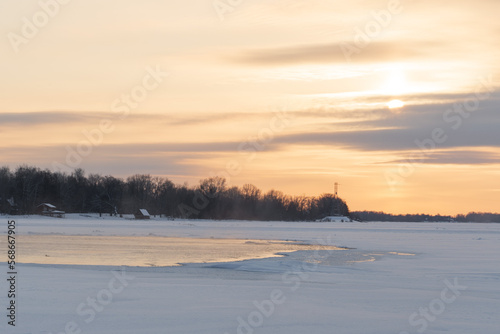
399	134
42	118
376	129
332	53
456	157
27	119
119	160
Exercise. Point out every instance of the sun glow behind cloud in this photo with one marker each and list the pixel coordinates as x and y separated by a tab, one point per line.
395	104
396	83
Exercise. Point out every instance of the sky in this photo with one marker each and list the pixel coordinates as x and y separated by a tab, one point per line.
396	100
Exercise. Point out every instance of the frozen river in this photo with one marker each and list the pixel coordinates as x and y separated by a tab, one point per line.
108	276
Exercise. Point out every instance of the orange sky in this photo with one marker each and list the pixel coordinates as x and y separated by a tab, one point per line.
290	95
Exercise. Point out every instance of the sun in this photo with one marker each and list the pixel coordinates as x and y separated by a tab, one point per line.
395	104
395	80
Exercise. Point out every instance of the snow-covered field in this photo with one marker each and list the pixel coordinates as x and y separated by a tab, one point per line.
397	278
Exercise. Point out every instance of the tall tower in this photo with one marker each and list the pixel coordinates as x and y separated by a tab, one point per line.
336	201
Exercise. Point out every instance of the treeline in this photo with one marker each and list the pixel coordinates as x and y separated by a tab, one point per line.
475	217
24	189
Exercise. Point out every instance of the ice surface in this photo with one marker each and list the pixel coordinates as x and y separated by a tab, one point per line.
398	278
148	251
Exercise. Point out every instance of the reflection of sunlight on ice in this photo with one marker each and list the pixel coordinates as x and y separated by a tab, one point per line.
150	251
401	254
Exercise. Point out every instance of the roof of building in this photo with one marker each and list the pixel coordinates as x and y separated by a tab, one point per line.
144	212
48	205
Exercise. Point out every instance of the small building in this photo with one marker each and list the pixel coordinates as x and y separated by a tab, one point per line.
335	219
142	214
49	210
